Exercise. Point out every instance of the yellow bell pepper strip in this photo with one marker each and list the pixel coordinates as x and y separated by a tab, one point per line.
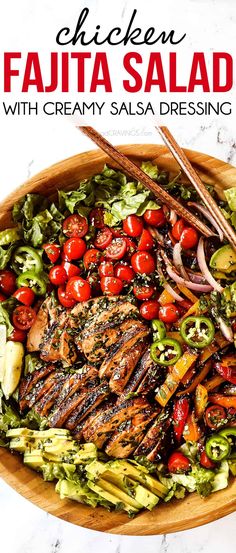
199	377
213	382
169	387
175	336
219	343
188	376
192	431
186	292
224	401
200	401
166	297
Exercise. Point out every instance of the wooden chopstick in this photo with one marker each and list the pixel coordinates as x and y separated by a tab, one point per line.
194	178
139	175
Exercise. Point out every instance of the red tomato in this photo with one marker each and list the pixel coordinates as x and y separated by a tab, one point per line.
111	286
2	297
131	246
189	238
180	415
124	272
71	269
146	241
78	289
91	257
75	226
94	281
23	317
106	269
143	263
178	462
178	229
103	239
57	275
63	297
74	248
215	415
53	251
7	282
206	462
18	335
96	217
155	217
24	295
133	225
116	249
149	309
168	313
143	292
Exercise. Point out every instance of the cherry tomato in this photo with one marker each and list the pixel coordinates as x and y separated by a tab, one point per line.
71	269
124	272
106	269
168	313
57	275
215	415
206	462
103	239
78	289
178	462
7	282
143	292
189	238
131	246
23	317
111	286
178	228
94	281
18	335
24	295
146	241
74	248
53	251
96	217
116	249
91	257
2	297
155	217
149	309
133	225
75	226
63	297
143	263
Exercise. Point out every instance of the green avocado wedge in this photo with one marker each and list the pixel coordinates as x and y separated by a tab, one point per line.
224	259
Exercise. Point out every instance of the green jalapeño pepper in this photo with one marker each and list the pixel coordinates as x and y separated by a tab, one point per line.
36	281
25	259
230	434
197	332
166	352
217	447
159	329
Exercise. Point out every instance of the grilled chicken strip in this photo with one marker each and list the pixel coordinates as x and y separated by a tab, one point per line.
127	363
86	311
152	443
77	432
48	399
92	399
138	374
129	434
40	389
46	316
30	381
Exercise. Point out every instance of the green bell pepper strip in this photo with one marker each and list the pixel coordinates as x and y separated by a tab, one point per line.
25	259
217	447
159	329
35	281
197	332
166	352
230	434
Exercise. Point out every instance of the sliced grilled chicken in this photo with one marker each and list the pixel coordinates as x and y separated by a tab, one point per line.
127	363
129	434
48	399
153	440
114	314
39	390
92	399
70	386
138	374
150	380
39	328
123	345
84	312
30	381
77	432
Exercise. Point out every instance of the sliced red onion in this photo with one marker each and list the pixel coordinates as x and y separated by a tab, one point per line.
203	267
172	292
208	216
156	235
172	217
196	277
226	330
187	283
177	259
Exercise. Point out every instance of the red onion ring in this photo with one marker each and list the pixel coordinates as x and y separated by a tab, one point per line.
226	330
180	280
172	292
197	277
178	263
204	269
156	235
209	217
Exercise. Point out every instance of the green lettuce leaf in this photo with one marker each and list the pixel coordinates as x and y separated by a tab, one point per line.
230	195
150	169
5	319
9	236
5	256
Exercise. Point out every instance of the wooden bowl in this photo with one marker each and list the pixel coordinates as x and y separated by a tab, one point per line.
176	515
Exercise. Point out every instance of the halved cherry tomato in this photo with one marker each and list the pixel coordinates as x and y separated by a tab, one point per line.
189	238
74	248
116	249
124	272
2	297
143	292
111	286
133	225
103	239
7	282
94	282
143	263
53	251
178	462
178	229
78	289
169	313
106	268
75	226
206	462
25	295
149	309
63	297
215	415
92	257
18	335
146	241
131	246
71	269
96	217
155	217
57	275
23	317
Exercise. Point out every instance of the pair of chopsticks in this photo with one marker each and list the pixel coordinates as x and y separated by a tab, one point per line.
158	191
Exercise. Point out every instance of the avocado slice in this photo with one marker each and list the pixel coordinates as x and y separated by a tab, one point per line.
18	432
73	490
86	453
224	276
224	259
117	492
143	496
139	474
34	459
115	496
20	444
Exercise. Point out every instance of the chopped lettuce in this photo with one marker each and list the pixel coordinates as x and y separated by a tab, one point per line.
9	236
57	471
221	477
150	169
230	195
5	255
5	319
